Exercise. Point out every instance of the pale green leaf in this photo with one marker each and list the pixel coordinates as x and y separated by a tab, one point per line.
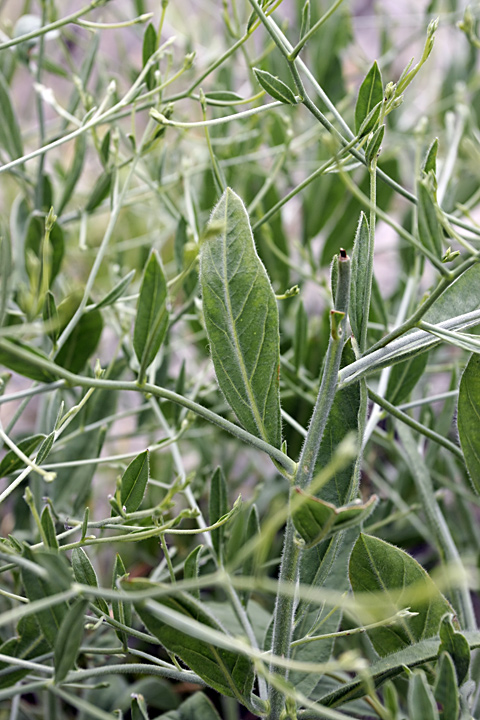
421	703
69	639
134	481
275	87
241	319
370	93
151	321
316	520
468	419
388	573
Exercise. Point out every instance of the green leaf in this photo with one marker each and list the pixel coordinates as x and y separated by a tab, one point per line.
316	520
373	146
34	239
105	148
49	528
10	138
69	639
359	278
84	339
391	666
149	46
101	190
430	231
5	273
197	707
456	645
275	87
134	481
430	162
29	644
305	26
462	296
241	318
190	568
468	419
73	174
139	708
446	688
226	671
56	578
116	292
378	568
421	703
12	462
223	96
217	507
343	419
23	367
370	93
50	316
84	573
403	378
151	321
122	611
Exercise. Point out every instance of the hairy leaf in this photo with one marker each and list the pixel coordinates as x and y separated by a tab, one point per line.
395	581
241	319
468	419
370	93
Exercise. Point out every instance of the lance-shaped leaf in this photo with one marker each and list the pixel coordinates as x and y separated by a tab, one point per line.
151	321
69	639
11	462
421	703
456	645
241	318
134	481
358	312
217	507
430	231
84	573
370	93
394	581
315	519
275	87
183	627
468	419
446	688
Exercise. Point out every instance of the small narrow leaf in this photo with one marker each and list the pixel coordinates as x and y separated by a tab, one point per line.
456	645
83	341
151	321
50	317
190	568
105	148
49	528
467	419
116	292
5	274
388	572
404	377
12	462
421	703
139	708
69	639
430	163
10	138
73	174
275	87
134	481
316	520
429	229
122	611
101	190
305	26
149	46
359	278
252	531
241	318
373	146
218	506
446	688
370	93
84	573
